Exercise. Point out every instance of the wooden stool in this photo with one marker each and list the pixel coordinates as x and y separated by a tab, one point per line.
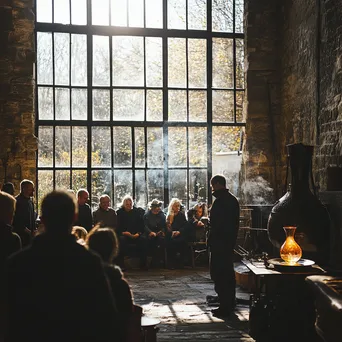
149	329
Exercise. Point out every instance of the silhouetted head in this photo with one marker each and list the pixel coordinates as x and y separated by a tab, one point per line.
7	207
8	188
104	242
218	182
27	188
59	211
82	196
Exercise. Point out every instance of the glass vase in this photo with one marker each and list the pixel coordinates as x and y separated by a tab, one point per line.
290	251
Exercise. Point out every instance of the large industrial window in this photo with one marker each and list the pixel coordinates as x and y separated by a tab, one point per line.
139	97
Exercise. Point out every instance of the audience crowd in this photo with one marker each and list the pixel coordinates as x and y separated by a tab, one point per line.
75	260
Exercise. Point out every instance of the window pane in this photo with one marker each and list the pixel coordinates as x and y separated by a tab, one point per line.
139	147
45	184
154	62
44	11
136	13
155	184
198	146
45	103
101	184
62	146
119	12
224	160
222	15
223	70
101	70
62	98
122	185
45	146
197	15
239	106
177	62
62	12
100	12
79	104
226	139
79	180
122	146
176	12
197	106
128	61
154	13
155	155
44	58
101	104
177	185
154	103
100	146
79	12
61	54
140	189
78	60
62	179
223	106
128	105
239	10
197	49
177	146
240	72
198	186
177	105
79	146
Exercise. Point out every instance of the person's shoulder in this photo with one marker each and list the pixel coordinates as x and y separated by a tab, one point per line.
20	257
113	272
120	210
112	210
96	211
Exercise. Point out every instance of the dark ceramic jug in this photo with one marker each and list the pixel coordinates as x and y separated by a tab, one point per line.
301	208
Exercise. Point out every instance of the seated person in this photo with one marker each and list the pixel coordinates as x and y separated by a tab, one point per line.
198	223
104	242
9	242
130	231
155	226
105	215
176	233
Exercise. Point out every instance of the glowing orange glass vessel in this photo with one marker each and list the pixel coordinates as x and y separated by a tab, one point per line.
290	251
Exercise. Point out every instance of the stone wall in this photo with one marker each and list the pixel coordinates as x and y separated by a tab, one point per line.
330	107
294	86
261	176
312	79
18	144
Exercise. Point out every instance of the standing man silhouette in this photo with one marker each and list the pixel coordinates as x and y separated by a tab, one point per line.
224	221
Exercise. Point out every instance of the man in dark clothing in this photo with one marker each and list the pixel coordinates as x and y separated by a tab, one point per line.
105	215
56	289
130	231
24	222
85	218
224	221
155	229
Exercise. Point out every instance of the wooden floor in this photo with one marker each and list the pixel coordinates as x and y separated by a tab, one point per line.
177	299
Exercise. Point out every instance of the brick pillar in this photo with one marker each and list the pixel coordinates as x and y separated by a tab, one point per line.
18	144
261	176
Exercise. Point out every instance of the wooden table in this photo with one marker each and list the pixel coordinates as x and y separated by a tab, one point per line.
282	306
